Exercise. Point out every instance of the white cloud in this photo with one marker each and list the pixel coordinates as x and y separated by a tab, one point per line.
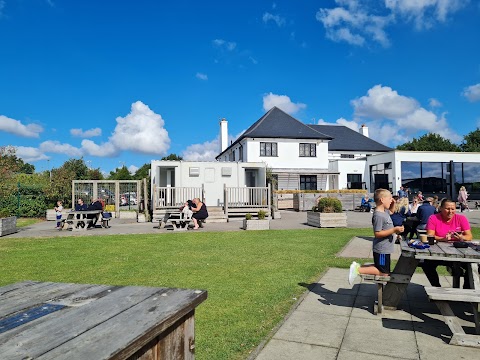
472	93
395	118
30	154
202	152
424	13
225	45
383	102
201	76
277	19
2	6
141	131
353	24
434	103
87	133
58	148
358	22
16	127
103	150
133	169
341	121
283	102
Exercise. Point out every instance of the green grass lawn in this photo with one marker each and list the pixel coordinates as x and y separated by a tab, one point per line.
253	278
22	222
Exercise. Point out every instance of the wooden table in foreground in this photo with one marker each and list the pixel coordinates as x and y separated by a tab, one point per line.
45	320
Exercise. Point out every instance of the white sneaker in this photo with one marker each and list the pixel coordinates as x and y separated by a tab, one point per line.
352	275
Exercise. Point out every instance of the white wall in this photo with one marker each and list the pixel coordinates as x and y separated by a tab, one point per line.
345	167
210	175
288	154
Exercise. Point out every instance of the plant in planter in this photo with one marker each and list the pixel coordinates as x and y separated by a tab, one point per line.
327	213
261	224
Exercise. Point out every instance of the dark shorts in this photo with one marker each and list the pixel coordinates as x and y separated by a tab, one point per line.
382	262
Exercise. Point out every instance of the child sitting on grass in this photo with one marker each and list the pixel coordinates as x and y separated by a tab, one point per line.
384	242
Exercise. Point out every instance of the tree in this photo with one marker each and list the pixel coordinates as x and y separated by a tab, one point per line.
172	157
120	174
429	142
142	173
471	141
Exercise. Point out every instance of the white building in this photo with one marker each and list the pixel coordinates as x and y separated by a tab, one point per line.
326	157
316	157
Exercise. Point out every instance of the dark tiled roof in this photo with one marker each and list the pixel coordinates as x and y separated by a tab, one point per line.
278	124
346	139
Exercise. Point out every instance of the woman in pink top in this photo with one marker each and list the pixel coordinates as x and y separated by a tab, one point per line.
445	226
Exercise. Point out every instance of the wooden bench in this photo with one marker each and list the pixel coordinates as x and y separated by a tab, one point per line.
381	281
178	223
442	297
73	224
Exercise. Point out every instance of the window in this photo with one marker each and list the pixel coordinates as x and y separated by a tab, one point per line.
308	150
240	153
347	156
233	155
308	182
354	181
268	149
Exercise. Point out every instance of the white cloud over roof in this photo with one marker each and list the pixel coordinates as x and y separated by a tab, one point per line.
16	127
282	102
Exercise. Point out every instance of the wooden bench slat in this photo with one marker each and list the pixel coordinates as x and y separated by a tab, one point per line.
453	294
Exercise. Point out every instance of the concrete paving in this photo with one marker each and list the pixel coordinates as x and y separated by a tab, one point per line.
334	320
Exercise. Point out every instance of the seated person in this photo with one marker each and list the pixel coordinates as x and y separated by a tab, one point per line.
186	211
94	205
366	204
199	212
424	212
80	206
400	214
446	226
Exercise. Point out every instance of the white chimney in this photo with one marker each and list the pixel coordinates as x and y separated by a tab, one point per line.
223	134
364	130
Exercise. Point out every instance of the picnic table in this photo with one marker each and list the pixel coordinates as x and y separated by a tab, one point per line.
74	217
178	221
46	320
409	260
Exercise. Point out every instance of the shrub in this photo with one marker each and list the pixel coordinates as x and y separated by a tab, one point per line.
248	216
328	205
261	215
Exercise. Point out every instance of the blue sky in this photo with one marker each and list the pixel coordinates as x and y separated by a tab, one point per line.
122	83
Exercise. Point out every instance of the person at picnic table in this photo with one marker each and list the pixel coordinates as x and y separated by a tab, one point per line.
80	206
424	212
186	209
420	196
199	212
94	205
446	226
399	216
366	203
384	241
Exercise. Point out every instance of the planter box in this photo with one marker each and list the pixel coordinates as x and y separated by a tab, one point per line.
276	215
305	201
318	219
128	215
8	225
141	218
51	215
256	224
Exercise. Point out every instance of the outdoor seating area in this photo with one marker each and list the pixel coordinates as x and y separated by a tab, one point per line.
332	318
83	220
